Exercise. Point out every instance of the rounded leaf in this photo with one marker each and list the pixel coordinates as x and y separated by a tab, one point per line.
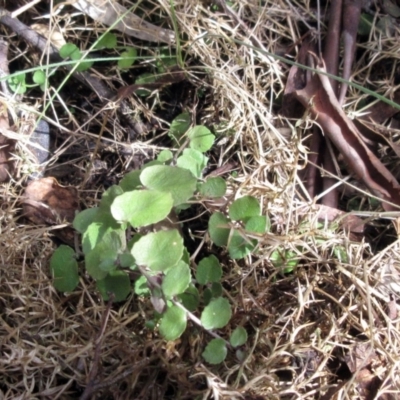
116	282
159	251
173	323
142	207
201	138
165	155
238	337
213	187
215	352
240	246
208	270
109	196
178	181
257	224
70	50
180	125
141	288
64	269
192	160
131	180
216	289
39	77
217	314
176	280
244	208
218	229
107	40
128	57
83	219
190	299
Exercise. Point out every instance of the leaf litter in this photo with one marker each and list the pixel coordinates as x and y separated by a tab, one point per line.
305	327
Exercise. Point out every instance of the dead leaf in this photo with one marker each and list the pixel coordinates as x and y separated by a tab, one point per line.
360	362
47	202
319	97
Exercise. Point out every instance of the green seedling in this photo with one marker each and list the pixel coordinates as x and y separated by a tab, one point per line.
158	257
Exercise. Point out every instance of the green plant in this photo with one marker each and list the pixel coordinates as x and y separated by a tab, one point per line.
129	245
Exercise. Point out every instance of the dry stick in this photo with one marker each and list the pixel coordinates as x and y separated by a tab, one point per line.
90	387
331	57
351	19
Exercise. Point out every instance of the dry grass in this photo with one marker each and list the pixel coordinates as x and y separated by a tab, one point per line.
301	326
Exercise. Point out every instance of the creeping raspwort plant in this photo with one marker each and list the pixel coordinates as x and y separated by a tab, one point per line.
128	247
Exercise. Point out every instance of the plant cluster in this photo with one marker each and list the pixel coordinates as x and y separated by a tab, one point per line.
127	247
82	61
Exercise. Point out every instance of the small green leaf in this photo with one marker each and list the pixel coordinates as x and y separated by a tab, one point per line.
103	223
208	270
238	337
165	155
17	83
131	180
159	251
107	41
244	208
104	255
83	219
193	160
217	314
70	50
240	246
179	126
116	282
109	196
126	260
257	224
178	181
143	79
207	296
176	280
128	57
165	60
141	287
190	299
142	207
39	77
215	352
217	227
340	253
286	259
216	289
201	138
365	25
64	269
213	187
173	323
